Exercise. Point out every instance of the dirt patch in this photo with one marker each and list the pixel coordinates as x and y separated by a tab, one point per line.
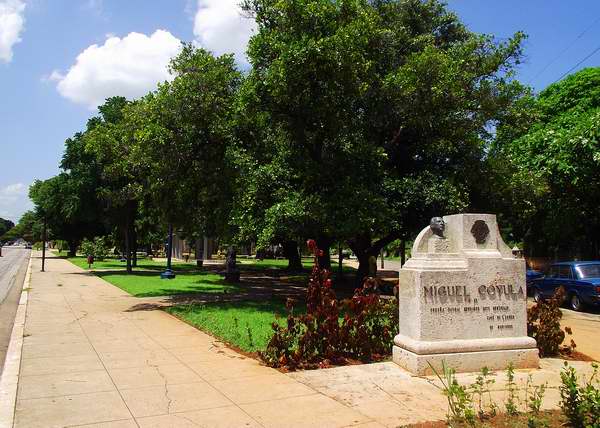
547	419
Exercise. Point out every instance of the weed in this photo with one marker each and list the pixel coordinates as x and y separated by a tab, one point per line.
511	404
480	389
580	404
460	400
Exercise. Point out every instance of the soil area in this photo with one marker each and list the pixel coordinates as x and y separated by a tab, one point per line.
547	419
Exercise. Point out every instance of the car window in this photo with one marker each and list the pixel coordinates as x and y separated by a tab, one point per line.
564	272
553	272
589	271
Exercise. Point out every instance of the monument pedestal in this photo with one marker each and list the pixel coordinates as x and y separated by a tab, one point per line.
462	301
465	355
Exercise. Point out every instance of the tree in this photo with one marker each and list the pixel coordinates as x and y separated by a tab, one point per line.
5	226
65	204
374	116
549	154
28	228
183	132
110	140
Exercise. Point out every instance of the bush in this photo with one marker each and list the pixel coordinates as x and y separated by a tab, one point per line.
101	249
87	248
580	404
543	324
319	338
96	248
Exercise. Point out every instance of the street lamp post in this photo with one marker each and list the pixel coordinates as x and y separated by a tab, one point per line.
168	273
44	246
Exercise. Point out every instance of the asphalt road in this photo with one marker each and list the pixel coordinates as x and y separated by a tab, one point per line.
13	265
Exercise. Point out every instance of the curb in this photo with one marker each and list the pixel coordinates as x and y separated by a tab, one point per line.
12	365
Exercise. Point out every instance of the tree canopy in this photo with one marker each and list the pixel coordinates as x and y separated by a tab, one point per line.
551	163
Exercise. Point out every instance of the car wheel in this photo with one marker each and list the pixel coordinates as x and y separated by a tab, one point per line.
575	303
537	296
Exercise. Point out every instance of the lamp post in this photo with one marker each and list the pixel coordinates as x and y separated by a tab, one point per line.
168	273
44	246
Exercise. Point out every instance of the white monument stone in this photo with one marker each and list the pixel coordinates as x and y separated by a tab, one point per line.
463	300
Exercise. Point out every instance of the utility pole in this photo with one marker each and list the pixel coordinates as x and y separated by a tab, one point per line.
44	246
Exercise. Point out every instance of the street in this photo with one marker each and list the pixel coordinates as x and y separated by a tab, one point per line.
13	265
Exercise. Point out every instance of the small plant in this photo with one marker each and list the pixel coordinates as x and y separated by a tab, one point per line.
543	324
580	404
511	404
480	389
460	400
249	332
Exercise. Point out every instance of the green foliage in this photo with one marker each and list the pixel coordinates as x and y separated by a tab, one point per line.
5	226
30	228
97	248
460	399
543	324
183	132
511	404
481	391
547	158
372	108
580	403
87	248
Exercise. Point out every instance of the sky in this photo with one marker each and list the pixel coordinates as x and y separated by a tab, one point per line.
59	59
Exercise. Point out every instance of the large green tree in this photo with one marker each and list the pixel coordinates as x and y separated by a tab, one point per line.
548	153
367	118
110	140
182	134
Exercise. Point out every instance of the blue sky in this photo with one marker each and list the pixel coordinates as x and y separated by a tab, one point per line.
51	74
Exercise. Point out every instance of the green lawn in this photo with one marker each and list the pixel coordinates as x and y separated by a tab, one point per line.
145	280
245	324
148	283
113	264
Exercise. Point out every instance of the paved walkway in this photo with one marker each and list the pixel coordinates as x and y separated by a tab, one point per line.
89	359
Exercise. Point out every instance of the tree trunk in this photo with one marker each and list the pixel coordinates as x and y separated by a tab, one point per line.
128	249
364	249
72	248
290	251
134	246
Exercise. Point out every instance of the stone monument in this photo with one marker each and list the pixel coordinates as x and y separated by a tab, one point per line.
462	300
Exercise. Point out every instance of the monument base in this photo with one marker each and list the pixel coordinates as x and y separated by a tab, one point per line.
466	361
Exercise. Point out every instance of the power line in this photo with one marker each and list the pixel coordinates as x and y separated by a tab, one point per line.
578	64
565	49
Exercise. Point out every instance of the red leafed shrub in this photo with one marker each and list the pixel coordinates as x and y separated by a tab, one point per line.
322	336
543	324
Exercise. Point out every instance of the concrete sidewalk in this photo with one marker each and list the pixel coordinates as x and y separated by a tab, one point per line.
90	359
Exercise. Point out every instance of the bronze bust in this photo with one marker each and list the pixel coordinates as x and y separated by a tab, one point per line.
437	226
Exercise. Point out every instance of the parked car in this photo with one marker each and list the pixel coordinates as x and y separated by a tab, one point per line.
580	280
531	275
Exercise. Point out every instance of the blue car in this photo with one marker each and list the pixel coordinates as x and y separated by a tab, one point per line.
531	275
581	281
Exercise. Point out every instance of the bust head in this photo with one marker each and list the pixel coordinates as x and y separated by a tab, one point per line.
437	226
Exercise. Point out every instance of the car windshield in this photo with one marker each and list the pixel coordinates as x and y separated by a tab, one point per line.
589	271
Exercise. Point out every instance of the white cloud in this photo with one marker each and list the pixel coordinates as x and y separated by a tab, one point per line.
11	25
130	66
14	201
221	27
